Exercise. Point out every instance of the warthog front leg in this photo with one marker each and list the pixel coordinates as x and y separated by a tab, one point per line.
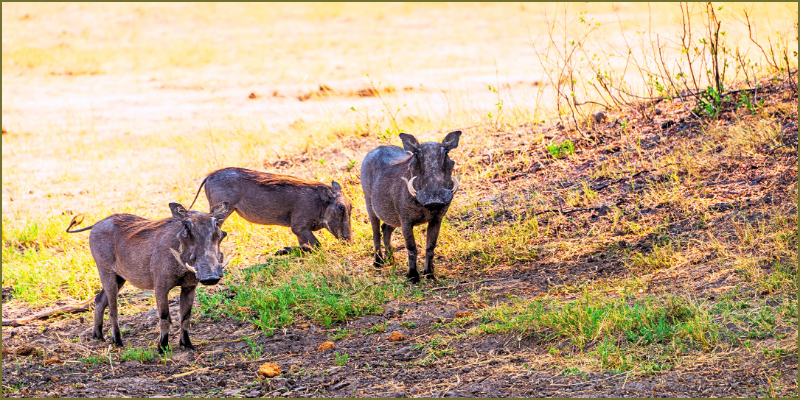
187	300
411	247
162	306
430	245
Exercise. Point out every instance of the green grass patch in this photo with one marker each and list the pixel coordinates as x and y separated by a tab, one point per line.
561	150
137	353
612	330
323	294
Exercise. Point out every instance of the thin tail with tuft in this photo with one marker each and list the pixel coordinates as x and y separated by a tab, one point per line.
77	220
198	192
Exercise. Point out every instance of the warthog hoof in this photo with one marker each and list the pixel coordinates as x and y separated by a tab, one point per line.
430	277
188	346
413	277
285	251
289	249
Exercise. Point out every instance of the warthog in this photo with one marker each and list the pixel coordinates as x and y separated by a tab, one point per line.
156	255
272	199
388	176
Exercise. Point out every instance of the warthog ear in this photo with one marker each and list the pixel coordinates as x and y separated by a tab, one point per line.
178	211
220	210
336	186
410	143
450	141
326	193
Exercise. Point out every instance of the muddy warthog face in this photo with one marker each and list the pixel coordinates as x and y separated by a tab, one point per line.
200	239
337	212
432	182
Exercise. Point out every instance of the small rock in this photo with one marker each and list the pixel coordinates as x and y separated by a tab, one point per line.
269	370
54	379
658	111
255	393
461	314
23	350
130	363
253	95
396	336
326	346
53	360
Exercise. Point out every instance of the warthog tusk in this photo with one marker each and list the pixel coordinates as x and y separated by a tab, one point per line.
178	257
455	186
410	186
226	264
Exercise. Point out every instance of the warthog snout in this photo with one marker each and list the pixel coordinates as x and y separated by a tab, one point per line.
432	199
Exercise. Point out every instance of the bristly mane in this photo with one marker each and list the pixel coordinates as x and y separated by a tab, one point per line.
132	225
267	179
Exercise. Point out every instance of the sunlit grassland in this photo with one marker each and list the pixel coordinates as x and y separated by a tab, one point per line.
81	164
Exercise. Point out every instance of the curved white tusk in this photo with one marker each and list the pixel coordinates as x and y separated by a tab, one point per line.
178	257
455	185
409	184
226	264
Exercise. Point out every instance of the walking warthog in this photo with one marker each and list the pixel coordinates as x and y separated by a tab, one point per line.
271	199
388	176
156	255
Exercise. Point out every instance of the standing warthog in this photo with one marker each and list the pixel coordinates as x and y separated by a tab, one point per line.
388	176
272	199
156	255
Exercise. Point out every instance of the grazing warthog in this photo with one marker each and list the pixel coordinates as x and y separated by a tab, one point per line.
156	255
272	199
388	177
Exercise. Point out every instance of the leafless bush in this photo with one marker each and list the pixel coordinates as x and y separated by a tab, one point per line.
696	66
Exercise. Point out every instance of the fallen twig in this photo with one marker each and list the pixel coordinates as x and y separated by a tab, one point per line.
65	309
461	283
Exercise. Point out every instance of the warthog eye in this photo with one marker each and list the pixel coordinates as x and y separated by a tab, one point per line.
192	258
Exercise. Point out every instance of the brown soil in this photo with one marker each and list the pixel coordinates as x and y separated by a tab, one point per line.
485	366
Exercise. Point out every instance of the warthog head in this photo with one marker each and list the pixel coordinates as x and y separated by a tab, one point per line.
337	212
432	182
200	239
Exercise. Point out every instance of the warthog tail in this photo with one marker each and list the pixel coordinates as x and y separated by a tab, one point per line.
198	192
77	220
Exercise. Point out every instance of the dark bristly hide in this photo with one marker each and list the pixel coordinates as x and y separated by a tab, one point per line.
156	255
405	190
272	199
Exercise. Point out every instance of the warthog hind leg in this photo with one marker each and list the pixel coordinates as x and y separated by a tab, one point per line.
386	231
100	304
